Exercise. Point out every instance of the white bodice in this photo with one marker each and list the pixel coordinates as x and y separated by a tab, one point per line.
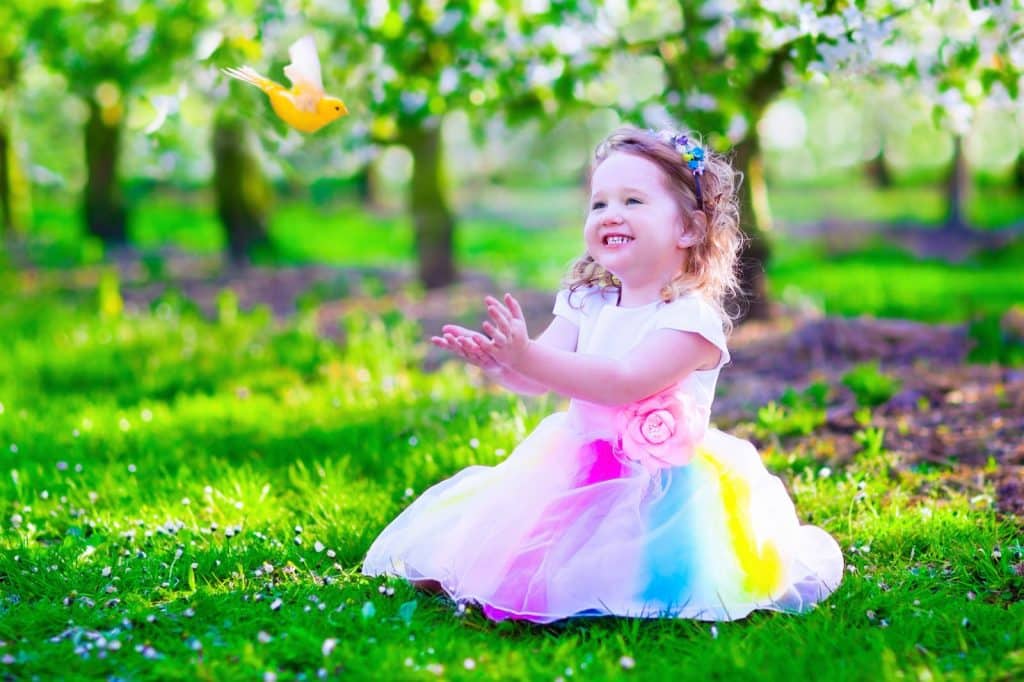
609	330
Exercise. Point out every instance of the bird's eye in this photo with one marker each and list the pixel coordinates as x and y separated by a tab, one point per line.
337	108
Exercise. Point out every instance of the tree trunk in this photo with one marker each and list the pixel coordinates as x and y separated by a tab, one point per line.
105	215
7	227
878	171
242	193
1018	173
367	186
956	190
433	220
8	215
755	219
755	216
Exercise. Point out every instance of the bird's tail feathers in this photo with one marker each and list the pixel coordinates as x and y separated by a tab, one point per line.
248	75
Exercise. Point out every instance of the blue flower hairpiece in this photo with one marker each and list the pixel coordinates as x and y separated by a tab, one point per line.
692	154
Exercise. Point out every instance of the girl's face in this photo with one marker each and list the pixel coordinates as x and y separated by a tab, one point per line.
634	228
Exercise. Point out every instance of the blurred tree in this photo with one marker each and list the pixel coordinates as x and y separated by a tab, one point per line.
8	76
875	168
877	171
725	62
957	188
109	50
242	191
972	53
367	185
724	65
415	61
243	194
14	18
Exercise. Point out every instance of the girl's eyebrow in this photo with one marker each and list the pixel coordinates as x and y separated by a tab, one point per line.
633	190
624	190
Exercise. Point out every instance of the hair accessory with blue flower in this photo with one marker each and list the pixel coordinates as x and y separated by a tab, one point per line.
693	155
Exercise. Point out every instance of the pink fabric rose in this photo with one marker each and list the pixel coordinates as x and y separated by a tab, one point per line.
661	430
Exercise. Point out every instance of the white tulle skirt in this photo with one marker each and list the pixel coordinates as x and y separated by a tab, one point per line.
570	525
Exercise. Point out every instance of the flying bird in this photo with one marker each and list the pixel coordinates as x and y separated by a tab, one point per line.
305	106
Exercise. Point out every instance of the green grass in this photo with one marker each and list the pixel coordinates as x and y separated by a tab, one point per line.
886	282
987	208
878	280
154	464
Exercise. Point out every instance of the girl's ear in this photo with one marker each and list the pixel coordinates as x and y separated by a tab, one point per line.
694	230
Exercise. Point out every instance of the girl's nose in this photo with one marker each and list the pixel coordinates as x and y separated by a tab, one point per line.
612	218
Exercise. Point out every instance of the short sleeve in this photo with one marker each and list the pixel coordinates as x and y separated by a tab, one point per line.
694	314
577	304
563	308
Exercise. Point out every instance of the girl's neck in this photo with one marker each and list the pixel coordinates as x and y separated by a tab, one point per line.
634	297
643	288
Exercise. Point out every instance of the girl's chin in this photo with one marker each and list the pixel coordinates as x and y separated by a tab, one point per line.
616	262
610	265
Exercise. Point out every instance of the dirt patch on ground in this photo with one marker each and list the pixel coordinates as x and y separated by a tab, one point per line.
965	419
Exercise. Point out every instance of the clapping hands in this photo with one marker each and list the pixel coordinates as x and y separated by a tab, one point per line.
502	343
468	345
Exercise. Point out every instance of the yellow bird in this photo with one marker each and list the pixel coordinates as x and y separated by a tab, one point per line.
305	107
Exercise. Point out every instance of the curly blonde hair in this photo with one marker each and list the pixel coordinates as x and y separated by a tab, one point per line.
711	266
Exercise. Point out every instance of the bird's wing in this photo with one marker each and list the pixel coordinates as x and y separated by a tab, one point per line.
249	76
164	105
304	73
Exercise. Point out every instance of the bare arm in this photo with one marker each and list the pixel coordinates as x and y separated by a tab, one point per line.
560	335
664	357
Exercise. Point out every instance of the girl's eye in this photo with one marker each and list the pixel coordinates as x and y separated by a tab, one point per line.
596	205
633	200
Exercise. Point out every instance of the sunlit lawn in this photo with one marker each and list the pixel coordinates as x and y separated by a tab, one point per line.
987	208
191	499
536	251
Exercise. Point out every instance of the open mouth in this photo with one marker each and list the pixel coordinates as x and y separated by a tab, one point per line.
616	240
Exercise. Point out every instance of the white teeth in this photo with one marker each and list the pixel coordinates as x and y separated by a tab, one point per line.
616	240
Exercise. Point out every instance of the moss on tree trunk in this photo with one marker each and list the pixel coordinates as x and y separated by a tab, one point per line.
242	192
104	205
432	219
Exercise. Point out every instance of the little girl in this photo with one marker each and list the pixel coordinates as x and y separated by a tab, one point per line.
627	504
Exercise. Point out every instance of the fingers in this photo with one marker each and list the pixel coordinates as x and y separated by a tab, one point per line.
455	346
480	349
468	348
491	348
500	314
450	342
497	337
514	307
506	317
459	331
441	342
481	356
467	351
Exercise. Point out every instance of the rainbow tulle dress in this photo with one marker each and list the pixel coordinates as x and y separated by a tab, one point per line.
641	510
